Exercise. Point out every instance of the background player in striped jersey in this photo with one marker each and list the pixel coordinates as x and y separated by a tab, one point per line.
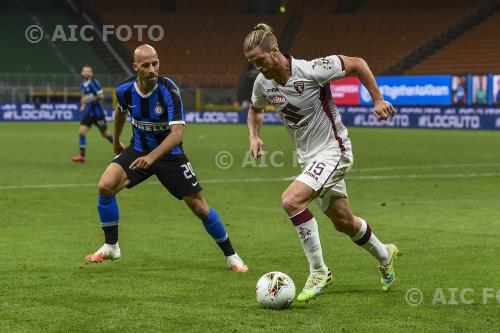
92	111
300	91
157	114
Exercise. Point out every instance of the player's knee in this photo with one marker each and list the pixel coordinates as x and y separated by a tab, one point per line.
107	187
201	211
290	204
199	208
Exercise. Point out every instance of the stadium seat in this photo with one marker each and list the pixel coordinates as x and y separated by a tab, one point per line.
476	51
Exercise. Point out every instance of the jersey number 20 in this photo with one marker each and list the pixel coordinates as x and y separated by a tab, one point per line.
188	170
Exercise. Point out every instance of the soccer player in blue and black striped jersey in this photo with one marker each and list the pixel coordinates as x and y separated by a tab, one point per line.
157	117
93	112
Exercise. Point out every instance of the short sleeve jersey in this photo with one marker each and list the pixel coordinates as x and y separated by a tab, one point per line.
305	105
91	88
153	113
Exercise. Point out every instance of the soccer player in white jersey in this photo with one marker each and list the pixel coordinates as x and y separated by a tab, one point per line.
300	92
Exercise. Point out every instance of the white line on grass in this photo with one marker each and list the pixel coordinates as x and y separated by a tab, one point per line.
261	180
444	175
430	166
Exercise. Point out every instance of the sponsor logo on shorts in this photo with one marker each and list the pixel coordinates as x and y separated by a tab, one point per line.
310	174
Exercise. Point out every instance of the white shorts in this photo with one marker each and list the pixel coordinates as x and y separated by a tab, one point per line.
325	173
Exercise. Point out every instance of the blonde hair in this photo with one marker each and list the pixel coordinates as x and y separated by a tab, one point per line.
261	36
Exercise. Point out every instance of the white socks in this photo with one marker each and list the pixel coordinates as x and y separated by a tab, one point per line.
307	228
368	241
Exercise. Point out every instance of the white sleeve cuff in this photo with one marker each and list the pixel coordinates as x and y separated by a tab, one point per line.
177	122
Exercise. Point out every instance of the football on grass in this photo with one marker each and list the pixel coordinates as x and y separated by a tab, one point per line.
275	290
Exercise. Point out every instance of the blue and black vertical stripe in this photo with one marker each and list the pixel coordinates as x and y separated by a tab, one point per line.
93	109
167	96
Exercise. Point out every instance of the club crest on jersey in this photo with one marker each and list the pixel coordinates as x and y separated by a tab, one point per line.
158	109
299	87
277	100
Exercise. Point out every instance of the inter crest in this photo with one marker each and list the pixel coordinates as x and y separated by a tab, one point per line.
158	109
299	87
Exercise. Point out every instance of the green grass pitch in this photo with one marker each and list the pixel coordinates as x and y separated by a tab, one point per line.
433	193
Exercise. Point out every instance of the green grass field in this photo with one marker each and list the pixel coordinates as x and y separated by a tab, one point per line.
433	193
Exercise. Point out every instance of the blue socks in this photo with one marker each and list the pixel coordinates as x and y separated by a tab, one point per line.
83	143
109	214
214	226
110	138
108	210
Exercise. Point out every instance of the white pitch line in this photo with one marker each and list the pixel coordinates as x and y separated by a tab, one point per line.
444	175
262	180
255	180
15	187
430	166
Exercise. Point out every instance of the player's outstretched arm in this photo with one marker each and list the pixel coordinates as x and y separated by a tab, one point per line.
173	139
358	67
255	120
120	118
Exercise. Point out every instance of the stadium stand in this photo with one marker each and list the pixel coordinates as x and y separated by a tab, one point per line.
476	51
202	44
378	33
29	56
78	53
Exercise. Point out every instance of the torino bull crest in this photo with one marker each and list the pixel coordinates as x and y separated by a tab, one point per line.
299	87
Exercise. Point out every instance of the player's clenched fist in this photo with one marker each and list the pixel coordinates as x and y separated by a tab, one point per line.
383	109
256	147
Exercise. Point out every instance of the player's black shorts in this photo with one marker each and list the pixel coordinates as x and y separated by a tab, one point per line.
100	122
173	171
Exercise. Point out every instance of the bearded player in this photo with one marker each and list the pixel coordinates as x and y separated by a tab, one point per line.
300	91
157	117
